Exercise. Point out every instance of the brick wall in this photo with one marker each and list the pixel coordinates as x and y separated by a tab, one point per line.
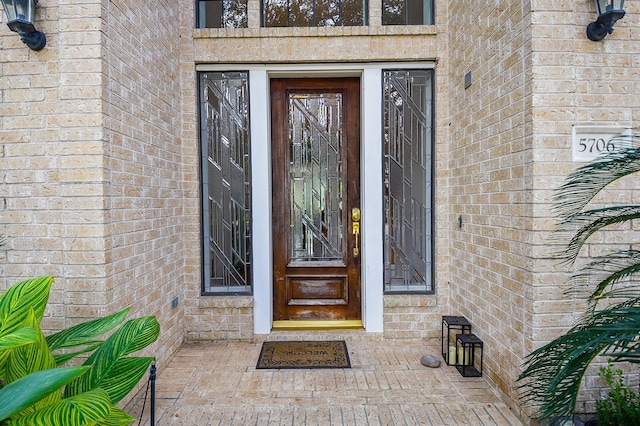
52	164
579	82
491	178
535	74
144	207
91	159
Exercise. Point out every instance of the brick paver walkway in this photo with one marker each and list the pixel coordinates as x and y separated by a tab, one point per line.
217	384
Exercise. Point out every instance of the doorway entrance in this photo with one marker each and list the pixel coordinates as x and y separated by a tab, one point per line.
315	151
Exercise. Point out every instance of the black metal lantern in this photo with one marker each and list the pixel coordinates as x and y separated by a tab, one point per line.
470	351
609	11
451	327
20	17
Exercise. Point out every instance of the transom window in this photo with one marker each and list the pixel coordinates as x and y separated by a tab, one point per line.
407	12
222	14
312	13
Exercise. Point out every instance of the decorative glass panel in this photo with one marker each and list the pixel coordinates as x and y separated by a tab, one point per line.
313	13
222	13
315	176
407	12
226	182
408	140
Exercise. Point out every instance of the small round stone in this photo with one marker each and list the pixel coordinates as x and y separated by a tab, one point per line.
430	361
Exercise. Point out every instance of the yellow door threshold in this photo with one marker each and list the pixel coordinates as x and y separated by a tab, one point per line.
317	325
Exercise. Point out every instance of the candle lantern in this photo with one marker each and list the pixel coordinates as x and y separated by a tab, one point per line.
470	349
452	326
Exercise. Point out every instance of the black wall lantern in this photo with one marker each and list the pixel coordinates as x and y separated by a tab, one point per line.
609	11
20	17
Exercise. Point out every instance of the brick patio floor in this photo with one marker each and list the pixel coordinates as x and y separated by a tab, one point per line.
218	384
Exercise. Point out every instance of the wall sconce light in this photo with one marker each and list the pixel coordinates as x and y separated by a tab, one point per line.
609	11
20	17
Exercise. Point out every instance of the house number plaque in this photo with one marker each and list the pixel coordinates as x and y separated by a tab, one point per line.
589	142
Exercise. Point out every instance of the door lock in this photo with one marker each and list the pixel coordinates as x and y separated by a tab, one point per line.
355	225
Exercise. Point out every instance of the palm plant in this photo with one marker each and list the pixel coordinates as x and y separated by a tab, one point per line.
38	391
610	325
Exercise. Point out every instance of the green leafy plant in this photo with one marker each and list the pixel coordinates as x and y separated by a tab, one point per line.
622	405
552	374
38	390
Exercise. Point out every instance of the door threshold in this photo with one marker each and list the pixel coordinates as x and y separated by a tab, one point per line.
318	325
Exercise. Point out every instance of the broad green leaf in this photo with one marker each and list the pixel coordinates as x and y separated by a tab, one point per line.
81	410
30	358
16	302
124	376
65	357
117	417
87	332
134	335
22	393
18	338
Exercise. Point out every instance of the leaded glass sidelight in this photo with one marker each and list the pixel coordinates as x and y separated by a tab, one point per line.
315	176
224	128
314	13
408	159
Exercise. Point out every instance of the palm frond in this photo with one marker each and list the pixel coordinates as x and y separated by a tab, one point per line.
617	269
587	181
553	374
592	221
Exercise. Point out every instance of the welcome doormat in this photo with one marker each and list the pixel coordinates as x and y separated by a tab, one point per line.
304	354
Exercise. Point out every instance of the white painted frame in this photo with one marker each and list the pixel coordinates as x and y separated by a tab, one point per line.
370	170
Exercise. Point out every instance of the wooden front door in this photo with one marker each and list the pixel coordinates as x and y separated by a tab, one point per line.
316	198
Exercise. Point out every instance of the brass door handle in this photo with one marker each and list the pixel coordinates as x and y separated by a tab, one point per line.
355	225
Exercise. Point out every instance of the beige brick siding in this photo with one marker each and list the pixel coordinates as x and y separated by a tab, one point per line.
220	318
144	211
92	170
535	74
491	179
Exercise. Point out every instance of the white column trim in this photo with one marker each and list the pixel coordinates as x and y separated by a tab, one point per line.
371	200
261	201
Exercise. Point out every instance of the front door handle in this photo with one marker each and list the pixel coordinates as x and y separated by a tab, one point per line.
355	225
